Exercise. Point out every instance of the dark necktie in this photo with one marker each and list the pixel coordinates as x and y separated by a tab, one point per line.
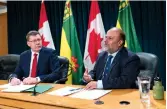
34	66
107	66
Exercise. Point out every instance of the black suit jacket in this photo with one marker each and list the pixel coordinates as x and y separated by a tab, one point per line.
47	63
123	73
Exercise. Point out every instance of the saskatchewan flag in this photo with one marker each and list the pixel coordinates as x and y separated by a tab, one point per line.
125	22
70	47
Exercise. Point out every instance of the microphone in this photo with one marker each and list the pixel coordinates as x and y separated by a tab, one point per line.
66	77
57	81
61	80
48	76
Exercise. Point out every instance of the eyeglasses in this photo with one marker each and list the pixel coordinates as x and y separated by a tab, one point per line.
34	41
108	37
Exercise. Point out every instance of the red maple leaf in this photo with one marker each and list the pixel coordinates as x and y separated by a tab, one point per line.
44	43
74	64
94	45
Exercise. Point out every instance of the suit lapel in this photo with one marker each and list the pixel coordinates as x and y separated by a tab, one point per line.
114	62
28	62
39	61
116	59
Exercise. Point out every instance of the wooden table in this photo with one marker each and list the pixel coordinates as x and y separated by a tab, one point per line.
45	101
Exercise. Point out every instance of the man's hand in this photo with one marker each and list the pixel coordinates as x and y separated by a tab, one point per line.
15	81
91	85
86	76
29	80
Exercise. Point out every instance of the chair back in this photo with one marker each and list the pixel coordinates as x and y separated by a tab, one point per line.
148	65
8	64
64	62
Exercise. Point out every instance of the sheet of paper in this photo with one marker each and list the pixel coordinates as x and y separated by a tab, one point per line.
8	85
65	91
4	86
17	88
90	94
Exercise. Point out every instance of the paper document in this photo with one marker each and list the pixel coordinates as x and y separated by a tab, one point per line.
4	86
17	88
90	94
65	91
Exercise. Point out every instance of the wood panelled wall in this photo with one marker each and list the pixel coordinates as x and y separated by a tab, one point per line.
3	34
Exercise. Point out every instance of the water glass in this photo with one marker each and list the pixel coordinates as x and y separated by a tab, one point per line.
144	88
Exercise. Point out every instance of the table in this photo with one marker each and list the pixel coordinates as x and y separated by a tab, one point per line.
46	101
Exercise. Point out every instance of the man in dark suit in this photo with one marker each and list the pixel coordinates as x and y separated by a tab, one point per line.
36	64
115	68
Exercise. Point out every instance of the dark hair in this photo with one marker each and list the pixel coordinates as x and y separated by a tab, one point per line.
31	33
122	36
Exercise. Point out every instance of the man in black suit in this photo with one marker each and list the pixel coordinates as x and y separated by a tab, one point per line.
115	68
36	63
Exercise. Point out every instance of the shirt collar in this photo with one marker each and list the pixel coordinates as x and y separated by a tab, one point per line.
113	54
34	52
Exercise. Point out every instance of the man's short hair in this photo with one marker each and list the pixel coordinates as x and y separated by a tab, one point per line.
122	36
31	33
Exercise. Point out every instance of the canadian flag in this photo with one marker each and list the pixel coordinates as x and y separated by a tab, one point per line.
44	28
95	37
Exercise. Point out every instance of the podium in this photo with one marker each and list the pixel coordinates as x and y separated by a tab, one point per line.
46	101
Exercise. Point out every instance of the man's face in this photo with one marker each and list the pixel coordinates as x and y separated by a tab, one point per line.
113	41
35	43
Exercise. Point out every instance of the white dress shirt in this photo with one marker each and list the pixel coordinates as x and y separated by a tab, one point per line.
100	82
31	62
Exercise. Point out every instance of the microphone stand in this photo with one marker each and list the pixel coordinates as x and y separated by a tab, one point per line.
34	91
66	77
60	80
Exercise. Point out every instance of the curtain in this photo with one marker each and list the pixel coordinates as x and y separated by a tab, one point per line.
149	19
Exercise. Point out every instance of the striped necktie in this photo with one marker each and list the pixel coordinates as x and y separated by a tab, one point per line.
107	66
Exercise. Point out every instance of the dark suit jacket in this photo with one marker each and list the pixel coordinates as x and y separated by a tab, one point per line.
123	73
47	63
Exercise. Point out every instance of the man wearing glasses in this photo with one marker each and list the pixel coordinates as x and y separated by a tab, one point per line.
36	64
117	67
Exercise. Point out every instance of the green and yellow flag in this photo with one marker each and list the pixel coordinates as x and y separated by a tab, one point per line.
125	22
70	47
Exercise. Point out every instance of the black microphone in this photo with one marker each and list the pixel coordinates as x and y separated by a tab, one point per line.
61	80
65	78
57	81
47	77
